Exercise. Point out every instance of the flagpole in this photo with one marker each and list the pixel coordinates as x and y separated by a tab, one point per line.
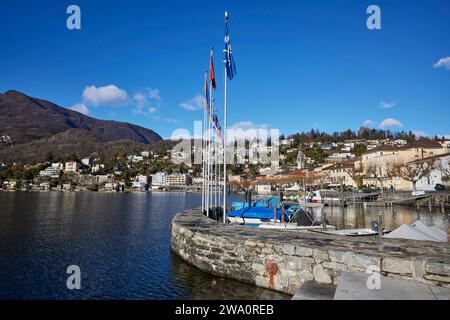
210	136
203	150
225	138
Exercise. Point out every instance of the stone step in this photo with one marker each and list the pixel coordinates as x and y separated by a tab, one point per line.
364	286
311	290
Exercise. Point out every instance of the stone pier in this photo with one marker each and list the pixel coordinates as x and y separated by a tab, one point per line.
284	260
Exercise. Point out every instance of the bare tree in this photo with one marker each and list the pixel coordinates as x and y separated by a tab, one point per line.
413	172
321	179
444	169
357	174
382	173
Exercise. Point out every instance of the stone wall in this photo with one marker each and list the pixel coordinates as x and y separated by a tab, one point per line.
282	261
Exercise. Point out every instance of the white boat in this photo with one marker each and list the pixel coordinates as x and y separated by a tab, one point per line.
327	197
293	227
352	232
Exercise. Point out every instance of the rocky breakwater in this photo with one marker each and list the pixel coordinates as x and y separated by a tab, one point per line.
282	261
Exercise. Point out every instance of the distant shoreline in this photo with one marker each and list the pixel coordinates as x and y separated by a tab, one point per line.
100	191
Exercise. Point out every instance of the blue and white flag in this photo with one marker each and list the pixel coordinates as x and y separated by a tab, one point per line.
229	61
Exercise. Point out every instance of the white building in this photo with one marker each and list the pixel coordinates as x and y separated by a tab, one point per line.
442	166
301	161
159	179
178	180
97	168
400	142
87	161
52	171
263	189
140	182
71	166
287	142
135	158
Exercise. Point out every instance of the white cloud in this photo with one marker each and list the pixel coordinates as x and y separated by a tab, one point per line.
443	63
196	103
248	130
387	105
171	120
369	123
420	134
388	123
147	101
81	108
153	94
247	125
105	96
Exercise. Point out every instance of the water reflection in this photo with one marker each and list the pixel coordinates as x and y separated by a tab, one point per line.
120	241
122	244
358	217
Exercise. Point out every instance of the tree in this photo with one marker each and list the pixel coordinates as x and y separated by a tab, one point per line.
357	174
413	172
321	179
360	149
445	170
376	172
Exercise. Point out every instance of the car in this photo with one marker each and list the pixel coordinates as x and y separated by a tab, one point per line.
440	187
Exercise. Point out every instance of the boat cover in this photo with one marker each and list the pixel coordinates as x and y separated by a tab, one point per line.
418	231
258	213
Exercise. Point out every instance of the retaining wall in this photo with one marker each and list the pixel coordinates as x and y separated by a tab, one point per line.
283	260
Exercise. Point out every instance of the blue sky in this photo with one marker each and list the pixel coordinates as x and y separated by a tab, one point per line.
301	64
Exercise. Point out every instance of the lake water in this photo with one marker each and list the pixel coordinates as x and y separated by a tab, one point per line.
121	242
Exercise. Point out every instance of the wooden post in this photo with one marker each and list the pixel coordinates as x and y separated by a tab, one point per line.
380	225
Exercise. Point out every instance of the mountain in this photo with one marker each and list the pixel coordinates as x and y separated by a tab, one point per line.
36	127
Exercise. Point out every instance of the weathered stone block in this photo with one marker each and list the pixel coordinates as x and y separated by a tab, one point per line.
439	267
320	275
249	243
288	273
304	276
216	250
418	269
362	262
258	268
228	246
320	256
291	263
305	264
437	278
344	257
397	265
289	249
267	250
303	252
335	266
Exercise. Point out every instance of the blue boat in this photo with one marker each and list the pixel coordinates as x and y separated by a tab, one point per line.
256	215
271	202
